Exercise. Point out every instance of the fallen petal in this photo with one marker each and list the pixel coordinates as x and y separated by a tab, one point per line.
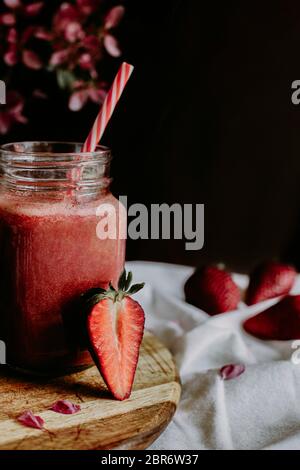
231	371
65	407
31	420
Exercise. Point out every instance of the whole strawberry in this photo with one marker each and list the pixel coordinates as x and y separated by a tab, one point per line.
213	290
115	325
279	322
270	280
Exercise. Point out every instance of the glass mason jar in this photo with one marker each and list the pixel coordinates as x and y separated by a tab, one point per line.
50	252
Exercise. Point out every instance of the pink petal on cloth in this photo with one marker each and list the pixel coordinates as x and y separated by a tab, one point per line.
31	60
8	19
31	420
112	45
33	8
231	371
12	3
114	17
65	407
77	100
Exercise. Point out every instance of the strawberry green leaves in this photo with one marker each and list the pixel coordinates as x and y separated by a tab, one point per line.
95	295
124	285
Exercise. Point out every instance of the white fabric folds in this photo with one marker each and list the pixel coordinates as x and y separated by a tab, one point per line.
259	409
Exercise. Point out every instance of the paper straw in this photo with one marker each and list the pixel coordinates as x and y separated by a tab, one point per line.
108	107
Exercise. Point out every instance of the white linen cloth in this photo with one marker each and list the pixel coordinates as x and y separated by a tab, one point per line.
260	409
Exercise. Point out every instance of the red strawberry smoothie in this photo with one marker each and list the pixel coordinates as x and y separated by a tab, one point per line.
49	255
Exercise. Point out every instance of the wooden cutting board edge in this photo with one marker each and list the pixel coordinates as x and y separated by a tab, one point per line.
102	424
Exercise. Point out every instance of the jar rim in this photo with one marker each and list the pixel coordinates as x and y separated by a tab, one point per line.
24	150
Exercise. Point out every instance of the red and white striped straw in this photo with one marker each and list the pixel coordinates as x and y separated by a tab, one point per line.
108	107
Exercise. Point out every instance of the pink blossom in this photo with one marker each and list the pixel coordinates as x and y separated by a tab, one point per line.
91	42
93	92
74	32
8	19
97	95
12	36
88	6
114	17
59	57
111	45
77	41
11	112
33	9
66	14
27	34
77	100
112	20
11	57
31	60
12	3
41	33
85	61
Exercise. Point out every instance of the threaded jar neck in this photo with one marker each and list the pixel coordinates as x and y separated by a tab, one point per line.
59	168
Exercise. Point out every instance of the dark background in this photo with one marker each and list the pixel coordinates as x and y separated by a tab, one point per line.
206	118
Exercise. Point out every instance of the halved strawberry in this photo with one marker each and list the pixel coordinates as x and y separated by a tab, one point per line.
115	326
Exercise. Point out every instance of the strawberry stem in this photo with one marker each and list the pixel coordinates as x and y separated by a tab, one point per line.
93	296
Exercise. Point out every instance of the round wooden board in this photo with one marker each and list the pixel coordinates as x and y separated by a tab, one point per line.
102	423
